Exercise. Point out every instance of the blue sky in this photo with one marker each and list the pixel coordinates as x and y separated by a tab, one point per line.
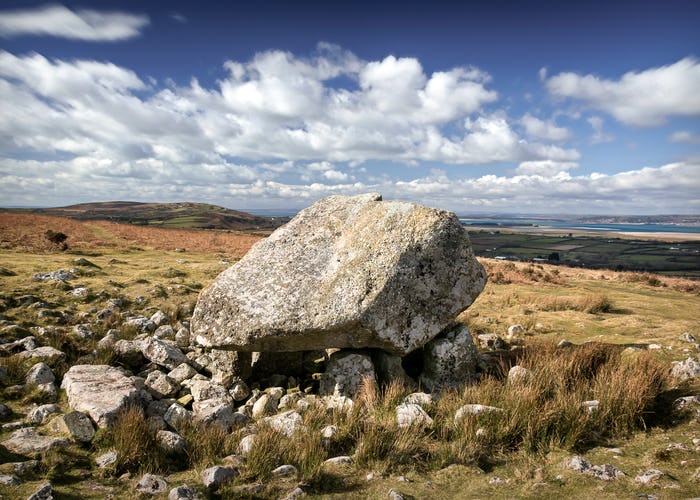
482	107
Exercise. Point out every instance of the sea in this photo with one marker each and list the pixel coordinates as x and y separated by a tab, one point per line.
534	225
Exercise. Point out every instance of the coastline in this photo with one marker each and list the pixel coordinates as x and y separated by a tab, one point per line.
550	231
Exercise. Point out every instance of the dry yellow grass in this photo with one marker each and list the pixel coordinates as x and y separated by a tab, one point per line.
27	233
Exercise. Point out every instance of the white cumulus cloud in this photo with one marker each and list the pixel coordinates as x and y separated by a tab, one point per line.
685	136
82	24
642	98
547	168
544	130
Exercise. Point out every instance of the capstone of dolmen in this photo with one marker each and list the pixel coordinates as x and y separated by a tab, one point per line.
346	272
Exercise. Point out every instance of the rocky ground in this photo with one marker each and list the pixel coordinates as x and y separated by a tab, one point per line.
75	356
107	392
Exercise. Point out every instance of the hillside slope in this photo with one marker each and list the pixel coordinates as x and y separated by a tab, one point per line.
174	215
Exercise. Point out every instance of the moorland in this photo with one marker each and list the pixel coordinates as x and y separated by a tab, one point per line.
587	334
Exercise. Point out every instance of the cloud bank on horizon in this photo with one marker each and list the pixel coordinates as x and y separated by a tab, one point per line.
283	129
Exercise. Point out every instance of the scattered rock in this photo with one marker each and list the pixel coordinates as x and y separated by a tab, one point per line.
294	494
411	414
177	417
164	332
106	459
345	373
60	276
159	318
518	375
40	373
648	476
217	411
25	468
214	477
496	480
604	472
182	372
686	369
422	399
578	464
246	444
515	330
160	385
27	442
129	352
75	424
44	492
287	423
40	414
341	460
289	401
151	484
141	324
265	405
285	471
47	354
677	447
170	442
491	341
346	272
449	360
688	337
101	391
473	409
591	406
206	389
395	495
5	411
9	480
183	492
162	353
686	402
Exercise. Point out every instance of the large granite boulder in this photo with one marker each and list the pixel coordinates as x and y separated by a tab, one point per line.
347	272
101	391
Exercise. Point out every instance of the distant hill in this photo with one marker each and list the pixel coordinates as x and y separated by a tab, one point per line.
171	215
685	220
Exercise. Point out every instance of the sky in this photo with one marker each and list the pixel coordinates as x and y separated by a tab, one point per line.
479	107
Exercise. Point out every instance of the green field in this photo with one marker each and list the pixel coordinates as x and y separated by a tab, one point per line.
676	258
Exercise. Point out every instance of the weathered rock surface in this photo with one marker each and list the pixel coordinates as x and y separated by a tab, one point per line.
27	442
43	492
75	424
449	360
150	484
411	414
162	353
345	272
473	409
214	477
101	391
345	373
40	414
40	373
686	369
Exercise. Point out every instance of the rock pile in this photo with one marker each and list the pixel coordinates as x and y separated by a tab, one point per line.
351	273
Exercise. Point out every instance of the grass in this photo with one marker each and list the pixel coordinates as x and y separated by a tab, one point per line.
593	251
542	425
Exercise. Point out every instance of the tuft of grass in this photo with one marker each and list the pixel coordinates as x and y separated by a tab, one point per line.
592	304
135	443
304	450
16	368
206	444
